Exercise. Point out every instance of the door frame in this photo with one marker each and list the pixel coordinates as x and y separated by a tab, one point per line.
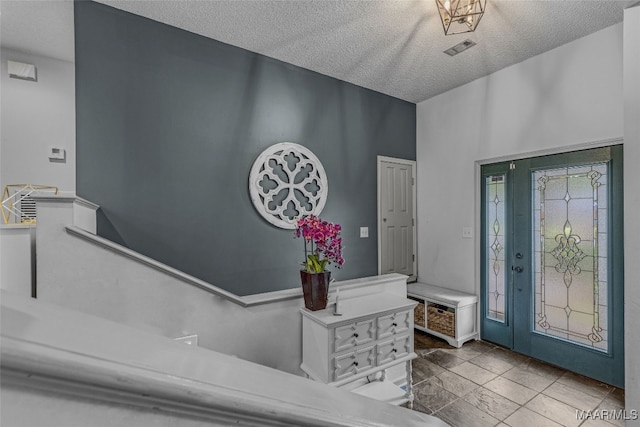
413	164
478	195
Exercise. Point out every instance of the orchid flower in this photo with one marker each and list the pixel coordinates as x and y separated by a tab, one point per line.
322	243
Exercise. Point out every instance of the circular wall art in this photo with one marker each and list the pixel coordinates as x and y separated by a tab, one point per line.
287	181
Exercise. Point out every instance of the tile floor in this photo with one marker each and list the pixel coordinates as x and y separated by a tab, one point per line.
481	384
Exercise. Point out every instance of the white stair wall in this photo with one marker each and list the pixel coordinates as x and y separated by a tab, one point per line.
84	272
62	368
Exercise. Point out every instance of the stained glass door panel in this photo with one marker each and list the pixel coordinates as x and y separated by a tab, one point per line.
495	231
570	268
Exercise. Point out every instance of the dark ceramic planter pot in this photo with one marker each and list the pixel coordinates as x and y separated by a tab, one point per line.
315	287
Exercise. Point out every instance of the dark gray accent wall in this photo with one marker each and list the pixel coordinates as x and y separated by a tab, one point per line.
169	124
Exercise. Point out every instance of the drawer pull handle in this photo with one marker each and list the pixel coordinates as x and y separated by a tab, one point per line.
355	335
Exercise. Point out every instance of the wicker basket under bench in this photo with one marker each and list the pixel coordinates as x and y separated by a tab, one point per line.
448	314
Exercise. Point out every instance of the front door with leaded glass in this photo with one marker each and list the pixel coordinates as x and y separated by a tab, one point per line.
552	260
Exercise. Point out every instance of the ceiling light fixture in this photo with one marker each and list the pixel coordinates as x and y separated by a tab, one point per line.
460	16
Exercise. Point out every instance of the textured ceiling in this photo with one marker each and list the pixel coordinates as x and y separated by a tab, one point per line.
391	46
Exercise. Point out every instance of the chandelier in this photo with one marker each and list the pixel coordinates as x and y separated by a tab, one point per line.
460	16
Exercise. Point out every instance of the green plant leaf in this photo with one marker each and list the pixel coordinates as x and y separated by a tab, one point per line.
314	264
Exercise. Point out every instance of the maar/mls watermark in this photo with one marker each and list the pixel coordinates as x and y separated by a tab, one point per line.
607	414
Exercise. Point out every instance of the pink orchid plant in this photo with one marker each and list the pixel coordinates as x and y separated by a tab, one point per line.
322	243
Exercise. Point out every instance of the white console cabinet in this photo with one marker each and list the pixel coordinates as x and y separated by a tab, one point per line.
445	313
374	333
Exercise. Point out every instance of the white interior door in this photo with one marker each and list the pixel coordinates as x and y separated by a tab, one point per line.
396	216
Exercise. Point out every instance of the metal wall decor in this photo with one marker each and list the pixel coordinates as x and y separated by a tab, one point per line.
18	205
286	182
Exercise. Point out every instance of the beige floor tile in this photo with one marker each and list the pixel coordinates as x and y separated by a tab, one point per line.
422	340
454	383
555	410
490	363
473	372
543	369
512	391
596	423
491	403
432	397
587	385
480	346
481	384
572	397
617	393
463	414
423	369
524	417
424	352
515	359
446	360
612	406
465	353
420	407
528	379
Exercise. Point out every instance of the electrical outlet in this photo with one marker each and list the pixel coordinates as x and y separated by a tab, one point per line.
467	232
364	232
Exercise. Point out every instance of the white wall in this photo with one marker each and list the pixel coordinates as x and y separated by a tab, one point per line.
35	116
568	96
632	205
17	258
62	368
561	99
91	278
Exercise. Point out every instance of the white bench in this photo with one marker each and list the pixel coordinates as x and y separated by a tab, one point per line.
445	313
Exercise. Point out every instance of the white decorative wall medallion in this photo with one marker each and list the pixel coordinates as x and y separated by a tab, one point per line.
287	181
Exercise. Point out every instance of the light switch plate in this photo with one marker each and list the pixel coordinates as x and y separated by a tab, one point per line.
364	232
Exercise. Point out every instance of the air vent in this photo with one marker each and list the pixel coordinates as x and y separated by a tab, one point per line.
460	47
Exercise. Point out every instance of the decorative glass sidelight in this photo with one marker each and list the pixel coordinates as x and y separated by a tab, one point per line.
570	245
495	223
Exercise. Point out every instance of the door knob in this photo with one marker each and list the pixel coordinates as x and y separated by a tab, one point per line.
519	269
519	255
384	219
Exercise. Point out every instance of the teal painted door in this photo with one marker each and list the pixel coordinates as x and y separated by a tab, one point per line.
552	260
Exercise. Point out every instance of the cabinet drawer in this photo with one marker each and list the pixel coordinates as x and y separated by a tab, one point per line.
392	324
353	363
392	349
355	334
